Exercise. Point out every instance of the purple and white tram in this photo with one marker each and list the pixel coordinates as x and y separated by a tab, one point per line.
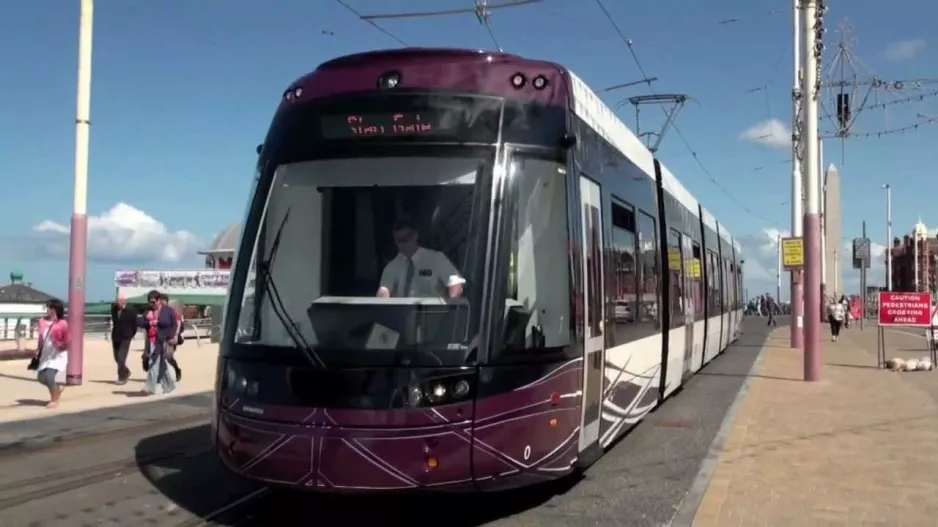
564	282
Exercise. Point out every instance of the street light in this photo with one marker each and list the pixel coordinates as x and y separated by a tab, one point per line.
77	257
888	236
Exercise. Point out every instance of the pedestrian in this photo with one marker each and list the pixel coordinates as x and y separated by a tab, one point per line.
123	331
163	326
846	304
51	359
771	306
836	316
177	341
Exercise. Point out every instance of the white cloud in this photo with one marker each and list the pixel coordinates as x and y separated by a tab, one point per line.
121	234
772	133
904	49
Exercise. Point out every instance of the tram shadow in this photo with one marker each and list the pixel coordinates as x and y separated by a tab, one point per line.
195	480
183	468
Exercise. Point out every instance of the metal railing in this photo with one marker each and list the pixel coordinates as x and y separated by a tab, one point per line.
99	326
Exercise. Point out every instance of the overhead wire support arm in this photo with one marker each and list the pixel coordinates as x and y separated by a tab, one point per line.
482	10
628	85
370	22
676	102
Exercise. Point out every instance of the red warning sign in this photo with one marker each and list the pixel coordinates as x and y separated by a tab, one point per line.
904	309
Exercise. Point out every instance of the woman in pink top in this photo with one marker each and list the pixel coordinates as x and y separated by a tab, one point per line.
53	350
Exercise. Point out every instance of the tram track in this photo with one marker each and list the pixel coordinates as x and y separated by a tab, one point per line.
57	443
36	488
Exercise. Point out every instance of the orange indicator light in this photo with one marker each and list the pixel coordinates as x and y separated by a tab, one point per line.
432	462
553	422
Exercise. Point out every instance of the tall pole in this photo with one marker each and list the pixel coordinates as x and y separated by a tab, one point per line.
888	237
915	255
812	230
77	257
863	279
778	268
822	197
797	192
836	256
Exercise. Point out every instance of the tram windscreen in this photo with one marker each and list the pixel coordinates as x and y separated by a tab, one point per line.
377	260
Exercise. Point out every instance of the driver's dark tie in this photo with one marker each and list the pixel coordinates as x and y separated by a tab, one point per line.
408	279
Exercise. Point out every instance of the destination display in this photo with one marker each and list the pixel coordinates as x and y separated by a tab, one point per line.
398	124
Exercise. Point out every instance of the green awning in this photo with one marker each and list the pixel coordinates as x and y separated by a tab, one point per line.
98	308
187	299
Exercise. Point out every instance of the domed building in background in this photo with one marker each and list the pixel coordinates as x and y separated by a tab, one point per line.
220	253
194	290
915	261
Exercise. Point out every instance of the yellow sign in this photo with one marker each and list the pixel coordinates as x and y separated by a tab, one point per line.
695	268
674	258
792	253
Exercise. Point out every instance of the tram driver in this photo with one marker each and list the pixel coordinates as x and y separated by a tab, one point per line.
417	271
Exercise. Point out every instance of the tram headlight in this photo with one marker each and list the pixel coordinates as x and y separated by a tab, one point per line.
414	396
440	390
539	82
461	389
518	80
238	384
436	393
389	80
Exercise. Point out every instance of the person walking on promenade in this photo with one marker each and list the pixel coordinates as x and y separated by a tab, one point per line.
771	306
51	359
171	357
836	314
164	329
123	331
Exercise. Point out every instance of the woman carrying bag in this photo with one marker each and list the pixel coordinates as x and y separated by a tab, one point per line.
51	358
163	327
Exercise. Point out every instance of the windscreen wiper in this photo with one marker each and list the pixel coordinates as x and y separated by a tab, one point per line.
276	303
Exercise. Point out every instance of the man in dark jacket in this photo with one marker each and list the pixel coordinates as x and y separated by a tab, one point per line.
123	329
772	307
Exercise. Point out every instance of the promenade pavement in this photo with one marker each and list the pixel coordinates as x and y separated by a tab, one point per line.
860	447
22	397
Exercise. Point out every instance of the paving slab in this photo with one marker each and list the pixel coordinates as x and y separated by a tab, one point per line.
856	448
100	405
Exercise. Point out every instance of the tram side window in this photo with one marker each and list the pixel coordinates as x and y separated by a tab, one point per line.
739	287
696	273
624	272
537	307
715	294
727	285
676	276
733	298
648	293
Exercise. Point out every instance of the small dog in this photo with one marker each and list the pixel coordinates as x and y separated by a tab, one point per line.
897	364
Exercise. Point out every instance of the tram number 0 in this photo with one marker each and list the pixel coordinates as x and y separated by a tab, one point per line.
527	452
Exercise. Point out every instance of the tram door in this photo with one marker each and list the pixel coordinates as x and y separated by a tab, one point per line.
593	310
687	249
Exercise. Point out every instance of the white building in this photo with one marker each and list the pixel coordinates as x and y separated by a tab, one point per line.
190	287
20	304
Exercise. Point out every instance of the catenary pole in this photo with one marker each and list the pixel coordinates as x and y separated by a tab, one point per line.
797	193
77	258
811	222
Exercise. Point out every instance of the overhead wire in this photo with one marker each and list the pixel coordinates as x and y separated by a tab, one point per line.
894	131
677	130
371	22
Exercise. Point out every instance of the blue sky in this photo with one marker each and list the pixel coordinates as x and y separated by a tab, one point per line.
183	90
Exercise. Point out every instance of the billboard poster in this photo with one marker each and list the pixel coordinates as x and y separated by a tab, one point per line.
195	280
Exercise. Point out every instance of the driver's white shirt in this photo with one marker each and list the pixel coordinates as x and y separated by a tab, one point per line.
433	274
